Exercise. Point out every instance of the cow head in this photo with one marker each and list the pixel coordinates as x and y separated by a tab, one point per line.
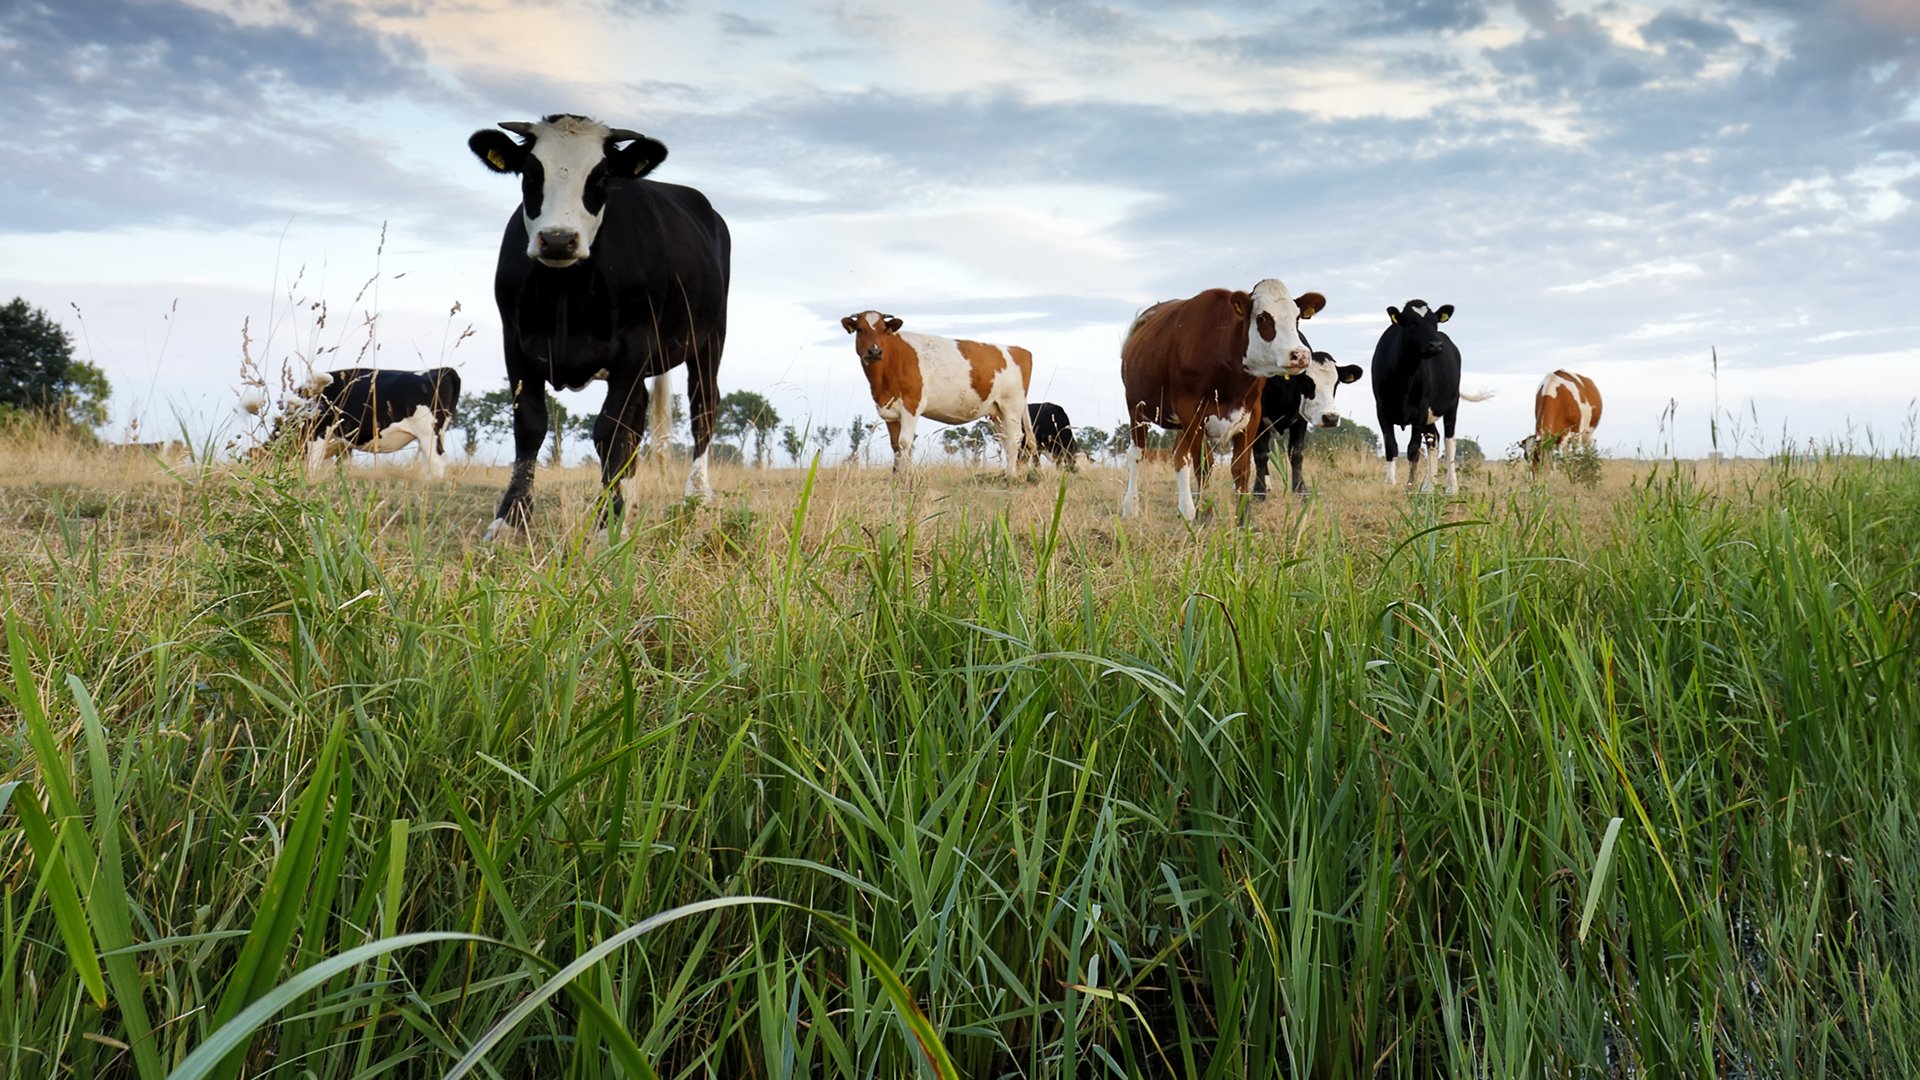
564	162
1317	385
870	330
1419	325
1273	328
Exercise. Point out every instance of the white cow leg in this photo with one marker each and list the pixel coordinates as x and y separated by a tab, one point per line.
1130	502
903	458
1392	470
697	485
1453	470
316	455
1012	435
1183	489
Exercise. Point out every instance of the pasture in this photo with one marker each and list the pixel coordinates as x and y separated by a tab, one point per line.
1538	780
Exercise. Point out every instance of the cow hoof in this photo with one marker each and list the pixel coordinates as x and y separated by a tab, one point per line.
499	530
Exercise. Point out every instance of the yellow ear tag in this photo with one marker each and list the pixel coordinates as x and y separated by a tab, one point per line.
494	159
639	167
1444	316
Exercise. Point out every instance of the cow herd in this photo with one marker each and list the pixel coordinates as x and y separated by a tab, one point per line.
606	275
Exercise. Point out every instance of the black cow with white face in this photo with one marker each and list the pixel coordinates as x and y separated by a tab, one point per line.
1052	435
373	411
1294	404
1416	385
604	275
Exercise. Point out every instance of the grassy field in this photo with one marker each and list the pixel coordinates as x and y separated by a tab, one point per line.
300	780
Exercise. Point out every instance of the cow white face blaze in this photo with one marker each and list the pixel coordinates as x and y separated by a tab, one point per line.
565	163
1274	347
870	330
1321	380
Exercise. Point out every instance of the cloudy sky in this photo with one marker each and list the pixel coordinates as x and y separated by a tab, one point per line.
1614	187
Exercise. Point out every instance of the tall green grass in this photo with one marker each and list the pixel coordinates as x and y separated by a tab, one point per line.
316	789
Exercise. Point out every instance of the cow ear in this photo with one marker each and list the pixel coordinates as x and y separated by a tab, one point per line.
497	150
1445	312
894	324
638	158
1308	303
1350	373
1393	314
1242	305
851	326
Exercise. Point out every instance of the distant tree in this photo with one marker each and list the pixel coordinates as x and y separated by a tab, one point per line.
1349	437
40	377
491	414
483	415
744	412
824	438
968	440
793	443
1468	455
856	438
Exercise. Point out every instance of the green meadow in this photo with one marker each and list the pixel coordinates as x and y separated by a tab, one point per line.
840	775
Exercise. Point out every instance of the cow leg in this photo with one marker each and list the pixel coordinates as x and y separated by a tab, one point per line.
1388	443
619	443
1186	463
1262	450
1241	466
903	442
1296	455
1452	447
703	407
316	455
529	431
1014	443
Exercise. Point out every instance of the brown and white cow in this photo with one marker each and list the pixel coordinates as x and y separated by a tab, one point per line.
954	382
1566	409
1198	366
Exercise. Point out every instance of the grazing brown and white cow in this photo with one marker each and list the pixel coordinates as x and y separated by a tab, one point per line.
1566	409
954	382
1198	366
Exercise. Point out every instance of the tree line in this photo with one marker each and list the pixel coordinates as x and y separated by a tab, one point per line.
41	383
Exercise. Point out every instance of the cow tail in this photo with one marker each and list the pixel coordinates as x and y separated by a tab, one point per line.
660	411
1481	396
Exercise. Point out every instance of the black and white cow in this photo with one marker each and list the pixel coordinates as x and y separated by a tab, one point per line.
604	275
1416	383
1293	404
374	411
1052	435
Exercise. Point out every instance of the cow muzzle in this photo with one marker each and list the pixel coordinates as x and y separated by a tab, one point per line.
1329	419
557	247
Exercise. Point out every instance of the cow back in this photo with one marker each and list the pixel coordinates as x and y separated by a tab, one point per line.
1178	352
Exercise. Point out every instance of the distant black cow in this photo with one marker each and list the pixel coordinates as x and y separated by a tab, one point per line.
375	411
1052	436
1294	403
604	275
1416	382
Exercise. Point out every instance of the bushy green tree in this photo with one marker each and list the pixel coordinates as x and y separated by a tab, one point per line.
744	413
40	377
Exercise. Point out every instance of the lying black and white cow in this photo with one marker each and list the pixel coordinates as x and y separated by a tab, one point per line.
1292	404
375	411
1416	383
604	274
1052	435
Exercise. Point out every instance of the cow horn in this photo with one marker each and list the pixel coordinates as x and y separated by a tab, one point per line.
618	135
518	127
